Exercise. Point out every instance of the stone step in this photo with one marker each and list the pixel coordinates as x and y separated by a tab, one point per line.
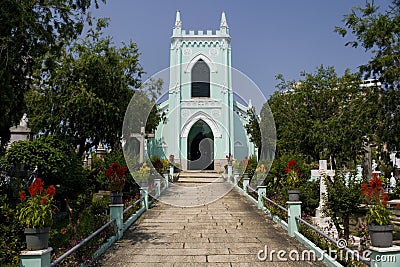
200	177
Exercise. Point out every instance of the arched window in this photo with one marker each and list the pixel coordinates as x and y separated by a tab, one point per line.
200	79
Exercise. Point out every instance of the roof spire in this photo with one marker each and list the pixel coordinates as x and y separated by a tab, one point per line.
178	23
223	24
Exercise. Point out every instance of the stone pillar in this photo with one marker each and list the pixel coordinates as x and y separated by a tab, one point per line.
35	258
262	191
145	195
246	181
117	213
157	182
229	171
166	178
235	178
385	257
171	171
294	209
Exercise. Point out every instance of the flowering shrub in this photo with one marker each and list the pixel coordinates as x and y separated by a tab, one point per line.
157	164
37	210
116	177
292	174
376	199
144	172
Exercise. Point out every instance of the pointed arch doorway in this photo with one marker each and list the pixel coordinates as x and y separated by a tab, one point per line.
200	147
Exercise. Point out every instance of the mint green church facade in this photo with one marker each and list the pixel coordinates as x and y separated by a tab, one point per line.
204	121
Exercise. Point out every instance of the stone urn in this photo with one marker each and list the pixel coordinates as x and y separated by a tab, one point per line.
381	235
116	197
37	238
294	195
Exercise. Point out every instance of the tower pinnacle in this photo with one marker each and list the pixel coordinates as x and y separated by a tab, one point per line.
178	23
223	24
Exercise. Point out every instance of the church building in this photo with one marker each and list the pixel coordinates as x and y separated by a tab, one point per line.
205	119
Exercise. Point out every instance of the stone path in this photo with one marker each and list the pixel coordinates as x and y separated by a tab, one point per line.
228	232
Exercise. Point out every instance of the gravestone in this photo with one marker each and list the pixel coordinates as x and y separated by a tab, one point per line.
141	137
320	174
20	132
374	170
100	151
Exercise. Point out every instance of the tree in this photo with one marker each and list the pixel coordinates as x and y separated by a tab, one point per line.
379	33
56	161
253	128
342	200
28	31
57	164
84	100
325	115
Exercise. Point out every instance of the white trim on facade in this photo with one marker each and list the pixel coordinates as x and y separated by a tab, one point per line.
200	115
206	59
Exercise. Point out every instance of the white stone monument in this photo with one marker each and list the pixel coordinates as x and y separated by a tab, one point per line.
320	174
20	132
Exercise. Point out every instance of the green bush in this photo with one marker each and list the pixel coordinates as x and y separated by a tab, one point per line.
251	165
12	235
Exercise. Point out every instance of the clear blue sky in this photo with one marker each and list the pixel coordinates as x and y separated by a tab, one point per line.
268	37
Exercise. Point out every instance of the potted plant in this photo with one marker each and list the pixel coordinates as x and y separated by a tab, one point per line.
116	182
36	214
378	216
292	179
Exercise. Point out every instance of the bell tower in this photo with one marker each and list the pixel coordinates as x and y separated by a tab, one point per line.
200	109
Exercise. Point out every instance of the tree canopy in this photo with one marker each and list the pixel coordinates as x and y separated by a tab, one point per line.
378	31
29	30
85	98
325	115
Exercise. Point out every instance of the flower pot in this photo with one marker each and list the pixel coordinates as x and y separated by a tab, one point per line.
37	238
294	195
116	197
381	235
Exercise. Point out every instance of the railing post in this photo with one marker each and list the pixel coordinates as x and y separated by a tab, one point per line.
246	181
385	257
294	209
117	213
35	258
229	171
235	178
157	182
171	171
145	195
166	174
262	191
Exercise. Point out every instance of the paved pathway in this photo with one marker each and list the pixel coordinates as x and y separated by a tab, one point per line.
228	232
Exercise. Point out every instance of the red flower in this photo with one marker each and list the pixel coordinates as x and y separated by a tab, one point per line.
43	200
22	195
109	172
374	191
291	164
114	165
63	231
51	191
36	187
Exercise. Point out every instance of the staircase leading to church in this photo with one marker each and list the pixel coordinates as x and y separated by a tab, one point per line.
200	177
